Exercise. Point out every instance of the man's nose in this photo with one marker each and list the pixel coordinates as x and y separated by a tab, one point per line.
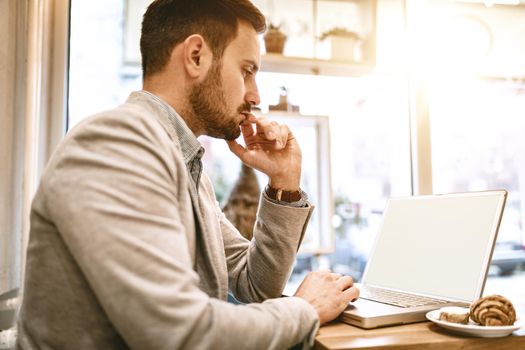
252	95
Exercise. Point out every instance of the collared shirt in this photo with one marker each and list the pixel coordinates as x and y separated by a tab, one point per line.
192	150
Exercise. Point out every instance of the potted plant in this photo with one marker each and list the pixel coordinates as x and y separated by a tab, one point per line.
342	43
274	39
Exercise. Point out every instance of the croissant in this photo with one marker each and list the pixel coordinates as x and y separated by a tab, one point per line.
493	310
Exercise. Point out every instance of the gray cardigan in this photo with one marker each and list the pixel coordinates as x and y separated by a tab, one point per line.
115	259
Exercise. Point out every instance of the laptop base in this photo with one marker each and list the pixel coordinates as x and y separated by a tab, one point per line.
370	314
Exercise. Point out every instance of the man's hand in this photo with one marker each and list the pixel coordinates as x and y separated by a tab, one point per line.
329	293
272	149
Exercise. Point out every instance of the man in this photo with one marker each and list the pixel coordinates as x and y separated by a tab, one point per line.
128	248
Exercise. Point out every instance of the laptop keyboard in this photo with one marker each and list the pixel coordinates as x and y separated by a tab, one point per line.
395	298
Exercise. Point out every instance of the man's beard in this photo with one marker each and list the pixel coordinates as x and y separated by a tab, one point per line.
210	109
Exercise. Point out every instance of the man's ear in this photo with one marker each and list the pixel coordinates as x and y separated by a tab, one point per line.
197	56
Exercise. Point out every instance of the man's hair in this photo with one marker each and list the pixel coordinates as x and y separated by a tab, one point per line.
167	23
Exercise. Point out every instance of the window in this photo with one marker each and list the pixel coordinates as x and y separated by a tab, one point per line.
477	134
476	102
100	78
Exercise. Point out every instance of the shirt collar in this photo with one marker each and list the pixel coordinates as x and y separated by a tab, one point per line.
190	146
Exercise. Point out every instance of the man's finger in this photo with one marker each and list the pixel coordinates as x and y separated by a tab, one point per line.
247	128
269	129
236	149
345	282
250	117
284	133
351	294
336	275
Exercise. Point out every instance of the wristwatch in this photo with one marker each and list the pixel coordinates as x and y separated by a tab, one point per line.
283	196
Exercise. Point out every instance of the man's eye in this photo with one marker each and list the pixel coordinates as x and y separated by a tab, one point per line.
246	73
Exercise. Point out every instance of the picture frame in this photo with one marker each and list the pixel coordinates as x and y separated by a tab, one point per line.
313	135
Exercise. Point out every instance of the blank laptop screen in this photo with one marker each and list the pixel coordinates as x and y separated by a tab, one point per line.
436	245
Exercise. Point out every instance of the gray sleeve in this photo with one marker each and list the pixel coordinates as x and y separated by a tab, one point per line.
259	269
113	199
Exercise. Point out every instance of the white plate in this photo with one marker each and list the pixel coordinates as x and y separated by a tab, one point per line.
474	329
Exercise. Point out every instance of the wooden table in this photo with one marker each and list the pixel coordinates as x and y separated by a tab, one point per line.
416	336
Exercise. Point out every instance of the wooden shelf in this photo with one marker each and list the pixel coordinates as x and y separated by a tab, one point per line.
278	63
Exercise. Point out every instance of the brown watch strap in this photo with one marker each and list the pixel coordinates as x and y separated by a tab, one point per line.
284	196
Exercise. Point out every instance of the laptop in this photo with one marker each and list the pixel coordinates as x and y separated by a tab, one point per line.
430	252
